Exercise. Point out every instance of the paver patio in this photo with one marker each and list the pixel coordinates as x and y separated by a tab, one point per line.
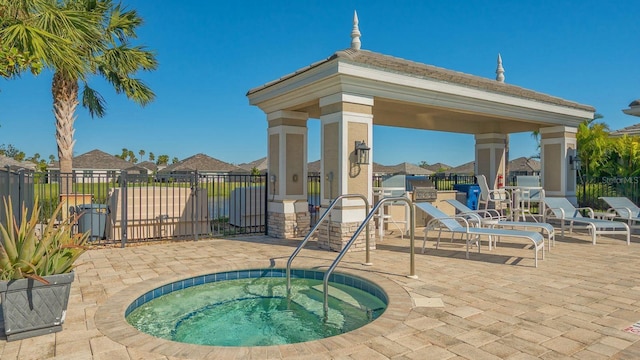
496	305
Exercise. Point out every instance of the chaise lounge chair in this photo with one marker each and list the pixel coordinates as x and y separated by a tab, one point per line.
560	208
440	221
485	218
624	209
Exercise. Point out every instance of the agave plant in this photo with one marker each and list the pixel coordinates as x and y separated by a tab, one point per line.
28	253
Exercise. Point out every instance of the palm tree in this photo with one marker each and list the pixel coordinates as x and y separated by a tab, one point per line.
37	33
110	56
594	145
103	49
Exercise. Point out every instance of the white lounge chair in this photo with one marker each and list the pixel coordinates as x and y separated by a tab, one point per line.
498	199
440	221
485	218
624	209
560	208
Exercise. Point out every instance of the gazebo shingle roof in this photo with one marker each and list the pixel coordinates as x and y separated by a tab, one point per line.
415	69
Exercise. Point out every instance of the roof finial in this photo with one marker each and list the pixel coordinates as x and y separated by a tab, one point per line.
355	33
500	70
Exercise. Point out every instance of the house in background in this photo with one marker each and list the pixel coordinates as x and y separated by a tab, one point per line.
634	108
464	169
15	165
404	168
203	164
92	165
632	130
438	167
149	167
260	164
524	166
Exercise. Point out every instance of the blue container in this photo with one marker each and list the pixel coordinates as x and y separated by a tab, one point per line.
473	194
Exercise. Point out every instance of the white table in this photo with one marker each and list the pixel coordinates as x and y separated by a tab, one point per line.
521	201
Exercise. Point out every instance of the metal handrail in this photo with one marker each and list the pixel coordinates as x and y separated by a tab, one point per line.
412	269
317	225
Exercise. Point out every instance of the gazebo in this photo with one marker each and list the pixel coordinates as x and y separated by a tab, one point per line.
354	89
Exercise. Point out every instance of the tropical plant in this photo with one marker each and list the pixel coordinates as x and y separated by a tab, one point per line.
97	43
14	62
594	146
26	253
162	160
625	159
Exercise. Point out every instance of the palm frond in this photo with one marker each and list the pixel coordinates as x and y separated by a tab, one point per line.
93	101
123	23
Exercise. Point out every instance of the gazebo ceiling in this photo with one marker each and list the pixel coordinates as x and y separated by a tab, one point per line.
414	95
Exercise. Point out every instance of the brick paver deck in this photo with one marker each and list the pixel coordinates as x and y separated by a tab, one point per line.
495	305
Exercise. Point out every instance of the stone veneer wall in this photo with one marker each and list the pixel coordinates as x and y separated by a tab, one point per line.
341	233
285	226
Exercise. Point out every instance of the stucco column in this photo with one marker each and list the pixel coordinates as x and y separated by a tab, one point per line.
345	119
491	157
287	206
557	144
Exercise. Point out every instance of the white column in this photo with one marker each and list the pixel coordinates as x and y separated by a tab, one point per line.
491	157
287	166
345	118
557	144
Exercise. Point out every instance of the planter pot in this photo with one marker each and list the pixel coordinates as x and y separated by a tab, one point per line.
31	308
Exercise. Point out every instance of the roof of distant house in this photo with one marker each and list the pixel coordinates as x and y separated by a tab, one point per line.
15	164
464	169
404	168
96	160
203	163
629	130
438	167
149	165
524	164
260	164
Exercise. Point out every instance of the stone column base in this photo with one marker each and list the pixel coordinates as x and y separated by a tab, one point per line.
338	235
288	225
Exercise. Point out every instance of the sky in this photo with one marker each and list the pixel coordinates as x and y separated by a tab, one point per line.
211	53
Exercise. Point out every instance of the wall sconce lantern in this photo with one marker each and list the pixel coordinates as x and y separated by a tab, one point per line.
362	153
574	161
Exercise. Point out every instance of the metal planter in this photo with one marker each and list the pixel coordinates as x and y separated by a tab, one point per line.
31	308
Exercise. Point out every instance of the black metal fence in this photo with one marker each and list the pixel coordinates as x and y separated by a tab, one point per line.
589	189
17	185
440	181
117	207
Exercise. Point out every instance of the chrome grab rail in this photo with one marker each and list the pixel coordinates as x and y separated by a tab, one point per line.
412	269
317	225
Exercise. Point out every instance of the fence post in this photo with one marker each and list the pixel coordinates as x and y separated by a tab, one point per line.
194	213
124	204
20	194
266	203
8	180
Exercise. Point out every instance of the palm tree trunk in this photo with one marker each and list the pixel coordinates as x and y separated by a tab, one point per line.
65	101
